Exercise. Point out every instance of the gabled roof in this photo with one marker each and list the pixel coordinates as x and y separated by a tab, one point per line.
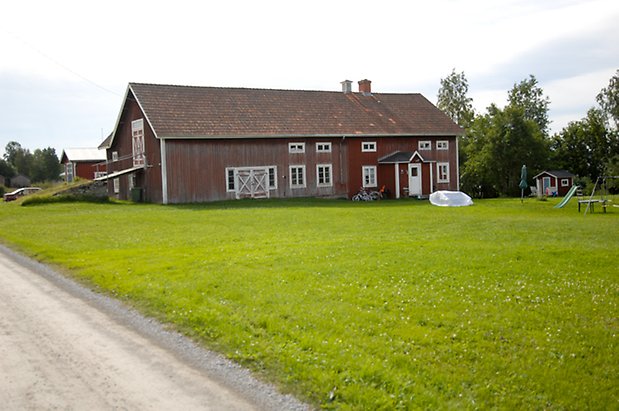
557	174
82	154
105	144
215	112
401	157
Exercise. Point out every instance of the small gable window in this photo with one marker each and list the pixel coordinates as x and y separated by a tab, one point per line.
368	146
323	147
296	148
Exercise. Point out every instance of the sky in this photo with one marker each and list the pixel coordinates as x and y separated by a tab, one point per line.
65	65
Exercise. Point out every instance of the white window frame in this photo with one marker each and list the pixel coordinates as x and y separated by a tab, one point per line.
230	184
368	176
442	145
272	177
296	148
323	147
99	174
327	171
442	171
368	146
565	182
114	155
70	172
294	183
116	183
425	145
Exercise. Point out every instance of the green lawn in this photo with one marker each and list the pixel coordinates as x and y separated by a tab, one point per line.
385	305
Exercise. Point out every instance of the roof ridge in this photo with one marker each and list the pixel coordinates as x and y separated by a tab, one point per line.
269	89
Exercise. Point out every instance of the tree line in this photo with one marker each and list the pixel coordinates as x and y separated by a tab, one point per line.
39	166
498	142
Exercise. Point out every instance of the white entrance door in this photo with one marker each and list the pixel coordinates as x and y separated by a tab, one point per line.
252	182
414	179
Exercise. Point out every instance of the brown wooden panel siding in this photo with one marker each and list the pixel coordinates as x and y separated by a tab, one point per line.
197	168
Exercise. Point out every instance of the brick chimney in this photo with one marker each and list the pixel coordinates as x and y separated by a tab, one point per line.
365	87
346	86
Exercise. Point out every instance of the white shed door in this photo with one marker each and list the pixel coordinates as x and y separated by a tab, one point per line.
252	182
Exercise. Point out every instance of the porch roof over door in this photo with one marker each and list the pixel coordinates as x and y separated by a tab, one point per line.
400	157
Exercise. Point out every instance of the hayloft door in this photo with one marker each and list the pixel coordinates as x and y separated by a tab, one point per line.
137	140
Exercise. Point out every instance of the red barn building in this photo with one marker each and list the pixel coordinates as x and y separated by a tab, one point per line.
179	144
86	163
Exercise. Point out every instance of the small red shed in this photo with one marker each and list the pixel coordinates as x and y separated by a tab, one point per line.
86	163
554	182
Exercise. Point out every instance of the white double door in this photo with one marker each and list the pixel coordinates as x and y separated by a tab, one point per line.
251	182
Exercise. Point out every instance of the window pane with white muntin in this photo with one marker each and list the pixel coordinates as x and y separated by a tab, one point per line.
369	176
297	176
368	146
296	148
323	175
323	147
443	172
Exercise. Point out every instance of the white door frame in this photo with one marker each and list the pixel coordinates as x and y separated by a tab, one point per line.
415	182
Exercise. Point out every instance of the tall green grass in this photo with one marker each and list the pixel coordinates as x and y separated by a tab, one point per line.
386	305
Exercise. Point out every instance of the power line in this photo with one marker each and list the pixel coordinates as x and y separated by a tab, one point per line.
61	65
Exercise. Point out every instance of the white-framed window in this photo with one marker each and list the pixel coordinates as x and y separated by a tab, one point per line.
323	147
114	155
565	182
230	185
369	176
323	175
425	145
443	172
296	148
442	145
69	172
368	146
297	176
99	174
273	178
116	183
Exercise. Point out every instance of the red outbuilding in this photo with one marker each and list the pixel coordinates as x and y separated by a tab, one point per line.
86	163
179	144
553	183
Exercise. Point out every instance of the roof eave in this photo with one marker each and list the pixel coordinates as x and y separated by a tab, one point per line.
278	136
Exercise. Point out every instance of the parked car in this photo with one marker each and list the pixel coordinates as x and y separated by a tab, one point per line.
20	192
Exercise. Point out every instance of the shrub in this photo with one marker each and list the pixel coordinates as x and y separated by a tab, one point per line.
65	198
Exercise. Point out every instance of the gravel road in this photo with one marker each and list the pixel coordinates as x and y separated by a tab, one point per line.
63	346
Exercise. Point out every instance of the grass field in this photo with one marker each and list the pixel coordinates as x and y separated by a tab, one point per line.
385	305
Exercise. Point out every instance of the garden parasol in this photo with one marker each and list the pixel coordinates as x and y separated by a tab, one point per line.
523	182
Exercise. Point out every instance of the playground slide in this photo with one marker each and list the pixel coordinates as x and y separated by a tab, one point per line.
567	197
